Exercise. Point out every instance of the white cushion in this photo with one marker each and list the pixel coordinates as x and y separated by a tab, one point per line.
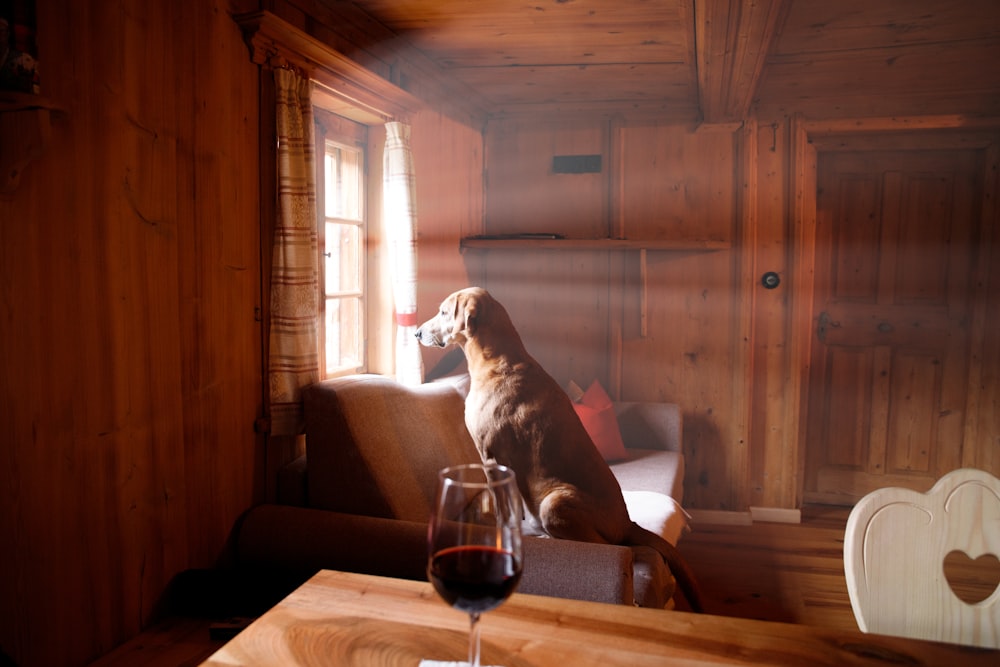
657	513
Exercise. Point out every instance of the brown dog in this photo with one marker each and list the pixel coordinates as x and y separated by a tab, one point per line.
520	417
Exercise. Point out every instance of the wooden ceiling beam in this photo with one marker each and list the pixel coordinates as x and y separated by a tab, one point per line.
732	39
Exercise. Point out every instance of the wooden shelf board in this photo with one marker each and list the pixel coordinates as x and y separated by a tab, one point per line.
14	101
594	244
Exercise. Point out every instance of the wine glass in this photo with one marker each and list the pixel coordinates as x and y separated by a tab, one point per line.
474	541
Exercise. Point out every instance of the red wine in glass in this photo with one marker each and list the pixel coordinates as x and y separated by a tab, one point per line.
474	541
474	579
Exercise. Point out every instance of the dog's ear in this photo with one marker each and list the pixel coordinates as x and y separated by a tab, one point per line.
471	315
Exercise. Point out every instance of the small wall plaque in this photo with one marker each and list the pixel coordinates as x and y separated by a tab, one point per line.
576	164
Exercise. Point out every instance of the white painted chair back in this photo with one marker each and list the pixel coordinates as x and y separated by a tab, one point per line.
894	551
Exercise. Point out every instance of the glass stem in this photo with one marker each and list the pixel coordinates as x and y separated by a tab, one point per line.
473	640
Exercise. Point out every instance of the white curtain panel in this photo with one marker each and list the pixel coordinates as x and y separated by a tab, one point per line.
293	354
399	209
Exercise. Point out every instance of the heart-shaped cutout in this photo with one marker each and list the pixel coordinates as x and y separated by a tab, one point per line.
972	580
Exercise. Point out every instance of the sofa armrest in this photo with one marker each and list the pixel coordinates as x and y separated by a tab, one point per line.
300	541
646	425
578	570
304	540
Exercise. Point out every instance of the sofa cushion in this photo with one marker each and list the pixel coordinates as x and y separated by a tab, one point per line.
650	425
375	446
597	413
652	482
656	470
657	513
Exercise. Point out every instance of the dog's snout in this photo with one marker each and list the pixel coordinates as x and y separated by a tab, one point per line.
428	337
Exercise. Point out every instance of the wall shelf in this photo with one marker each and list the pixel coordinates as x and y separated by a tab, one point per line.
478	243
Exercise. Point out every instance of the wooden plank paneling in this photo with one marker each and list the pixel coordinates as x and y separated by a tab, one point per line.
219	283
883	82
855	59
816	26
558	33
558	302
448	159
733	38
678	184
524	195
130	274
628	83
687	358
768	251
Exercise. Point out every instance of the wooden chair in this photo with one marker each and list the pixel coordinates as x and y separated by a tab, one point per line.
894	551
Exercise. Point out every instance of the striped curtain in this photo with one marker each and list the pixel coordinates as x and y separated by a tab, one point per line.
293	355
399	208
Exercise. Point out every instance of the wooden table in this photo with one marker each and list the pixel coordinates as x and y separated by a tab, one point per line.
339	619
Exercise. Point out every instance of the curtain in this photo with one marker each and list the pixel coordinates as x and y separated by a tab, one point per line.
399	209
293	355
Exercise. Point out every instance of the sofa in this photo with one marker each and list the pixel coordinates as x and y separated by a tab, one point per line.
359	499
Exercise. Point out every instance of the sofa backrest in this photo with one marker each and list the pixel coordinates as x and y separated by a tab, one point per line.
650	425
375	446
643	425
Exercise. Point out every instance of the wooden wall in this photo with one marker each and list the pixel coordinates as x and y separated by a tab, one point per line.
696	326
129	278
448	160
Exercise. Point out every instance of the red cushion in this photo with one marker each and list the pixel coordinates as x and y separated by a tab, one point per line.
598	416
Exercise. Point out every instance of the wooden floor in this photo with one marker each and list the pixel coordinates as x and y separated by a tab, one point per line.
793	573
176	642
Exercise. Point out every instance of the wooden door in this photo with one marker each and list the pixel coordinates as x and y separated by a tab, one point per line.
888	379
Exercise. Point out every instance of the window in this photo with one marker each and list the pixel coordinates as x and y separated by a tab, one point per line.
341	196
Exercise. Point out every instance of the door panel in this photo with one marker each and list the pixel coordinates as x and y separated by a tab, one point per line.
889	363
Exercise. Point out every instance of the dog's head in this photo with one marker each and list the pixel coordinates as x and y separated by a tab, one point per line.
457	319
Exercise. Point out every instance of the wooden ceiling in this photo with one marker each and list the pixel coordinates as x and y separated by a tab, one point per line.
710	60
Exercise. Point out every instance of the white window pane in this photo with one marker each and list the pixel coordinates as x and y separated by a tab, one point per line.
342	257
343	334
343	182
